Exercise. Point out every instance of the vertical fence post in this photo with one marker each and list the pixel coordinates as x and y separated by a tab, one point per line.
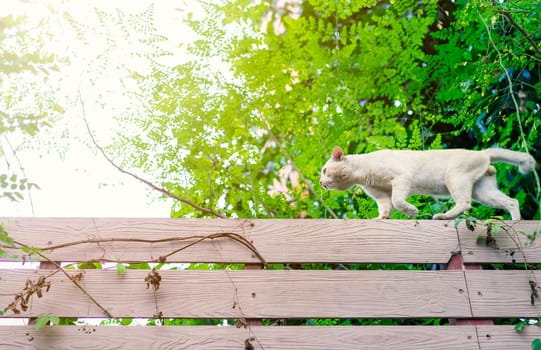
457	263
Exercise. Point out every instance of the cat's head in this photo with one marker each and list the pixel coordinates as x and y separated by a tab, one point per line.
336	174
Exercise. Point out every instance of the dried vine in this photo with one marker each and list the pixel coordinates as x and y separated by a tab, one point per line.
492	227
153	279
163	258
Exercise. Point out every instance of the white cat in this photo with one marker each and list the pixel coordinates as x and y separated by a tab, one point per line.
390	176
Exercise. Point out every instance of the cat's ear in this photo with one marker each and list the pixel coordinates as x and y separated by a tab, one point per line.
337	154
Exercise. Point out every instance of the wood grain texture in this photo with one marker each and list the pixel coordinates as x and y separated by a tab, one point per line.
511	236
252	294
507	338
502	293
218	338
257	294
278	240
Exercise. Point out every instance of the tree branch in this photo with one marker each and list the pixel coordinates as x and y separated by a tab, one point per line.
507	15
146	182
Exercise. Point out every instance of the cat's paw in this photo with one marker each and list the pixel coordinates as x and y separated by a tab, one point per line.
440	217
411	211
385	214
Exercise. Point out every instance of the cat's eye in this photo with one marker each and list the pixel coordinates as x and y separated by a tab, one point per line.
324	171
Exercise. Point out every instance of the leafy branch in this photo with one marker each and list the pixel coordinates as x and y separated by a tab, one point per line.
146	182
513	97
23	183
511	21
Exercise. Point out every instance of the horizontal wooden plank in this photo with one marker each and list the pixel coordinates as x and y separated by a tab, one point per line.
511	239
251	294
278	240
506	337
502	294
208	338
339	338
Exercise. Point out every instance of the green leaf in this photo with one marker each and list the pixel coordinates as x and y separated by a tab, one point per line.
139	266
30	250
54	320
5	238
120	268
520	326
89	265
126	321
458	220
536	344
41	321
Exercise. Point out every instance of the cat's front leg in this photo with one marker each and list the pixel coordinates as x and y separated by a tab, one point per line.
385	208
383	200
400	193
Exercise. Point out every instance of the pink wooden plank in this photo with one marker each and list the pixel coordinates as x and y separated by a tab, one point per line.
511	239
503	294
223	338
251	294
506	337
279	241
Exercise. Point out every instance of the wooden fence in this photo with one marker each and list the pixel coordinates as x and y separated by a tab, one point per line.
459	291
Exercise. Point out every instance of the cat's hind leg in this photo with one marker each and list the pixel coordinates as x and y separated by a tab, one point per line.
486	192
460	189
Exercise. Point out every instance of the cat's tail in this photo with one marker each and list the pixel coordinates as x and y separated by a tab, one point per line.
523	160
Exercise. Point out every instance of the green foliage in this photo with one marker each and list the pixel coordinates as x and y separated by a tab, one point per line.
5	238
90	265
26	105
23	66
44	320
201	266
11	186
120	268
486	83
245	126
28	101
519	327
117	322
188	322
138	266
536	344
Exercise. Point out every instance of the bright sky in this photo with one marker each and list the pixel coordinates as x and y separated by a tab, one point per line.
83	183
